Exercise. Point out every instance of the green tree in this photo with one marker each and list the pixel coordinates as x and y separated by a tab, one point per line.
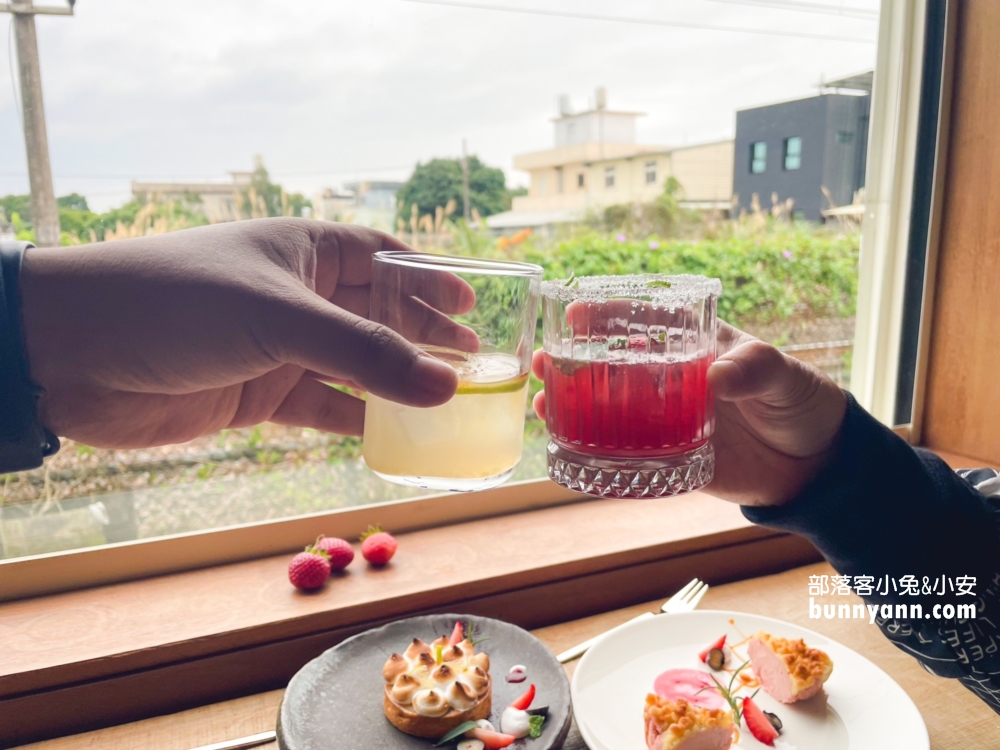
17	204
266	198
435	183
73	201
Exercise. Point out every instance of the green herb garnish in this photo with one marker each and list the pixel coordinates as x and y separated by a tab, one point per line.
727	692
535	722
572	281
470	634
658	283
456	732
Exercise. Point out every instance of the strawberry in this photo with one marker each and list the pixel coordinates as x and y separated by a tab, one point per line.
758	724
491	740
524	701
309	570
457	635
339	551
718	644
377	546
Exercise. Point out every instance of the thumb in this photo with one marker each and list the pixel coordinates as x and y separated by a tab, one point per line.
329	340
754	370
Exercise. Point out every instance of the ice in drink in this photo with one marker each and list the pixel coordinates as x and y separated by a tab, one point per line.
472	441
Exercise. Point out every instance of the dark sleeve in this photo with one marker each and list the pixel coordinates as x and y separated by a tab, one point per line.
24	442
883	510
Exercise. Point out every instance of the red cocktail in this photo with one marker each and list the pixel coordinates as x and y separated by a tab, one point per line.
627	404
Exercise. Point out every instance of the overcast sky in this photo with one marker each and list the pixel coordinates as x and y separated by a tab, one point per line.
330	90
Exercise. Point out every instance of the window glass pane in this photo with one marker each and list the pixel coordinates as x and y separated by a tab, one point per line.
793	153
251	114
758	157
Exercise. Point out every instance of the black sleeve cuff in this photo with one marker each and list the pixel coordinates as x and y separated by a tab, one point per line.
23	440
884	508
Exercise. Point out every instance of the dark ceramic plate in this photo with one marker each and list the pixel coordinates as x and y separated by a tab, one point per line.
335	701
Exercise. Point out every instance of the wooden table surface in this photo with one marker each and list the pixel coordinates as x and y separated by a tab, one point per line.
955	718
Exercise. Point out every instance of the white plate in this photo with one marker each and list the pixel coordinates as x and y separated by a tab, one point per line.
863	708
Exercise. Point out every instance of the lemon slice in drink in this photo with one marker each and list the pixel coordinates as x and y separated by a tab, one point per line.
504	386
485	373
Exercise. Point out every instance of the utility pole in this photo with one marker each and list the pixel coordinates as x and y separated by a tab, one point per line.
465	182
44	212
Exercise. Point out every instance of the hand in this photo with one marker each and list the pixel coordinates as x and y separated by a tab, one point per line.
777	420
162	339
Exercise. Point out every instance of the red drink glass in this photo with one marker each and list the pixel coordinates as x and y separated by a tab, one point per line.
627	404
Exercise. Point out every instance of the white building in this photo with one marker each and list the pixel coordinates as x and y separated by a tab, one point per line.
595	162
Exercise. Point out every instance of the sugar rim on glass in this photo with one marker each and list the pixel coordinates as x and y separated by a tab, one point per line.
683	289
458	263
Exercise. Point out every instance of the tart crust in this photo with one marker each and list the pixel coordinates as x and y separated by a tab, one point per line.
434	727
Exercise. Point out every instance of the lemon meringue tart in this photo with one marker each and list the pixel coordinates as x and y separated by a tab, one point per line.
431	688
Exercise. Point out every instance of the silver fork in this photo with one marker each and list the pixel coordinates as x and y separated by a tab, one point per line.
243	742
684	600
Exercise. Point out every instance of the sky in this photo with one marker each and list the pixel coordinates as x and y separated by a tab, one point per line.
329	91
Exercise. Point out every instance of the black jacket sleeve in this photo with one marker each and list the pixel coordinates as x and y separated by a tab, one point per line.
883	510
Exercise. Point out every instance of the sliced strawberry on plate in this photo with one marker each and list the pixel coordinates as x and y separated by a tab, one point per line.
524	702
494	740
457	635
718	644
758	724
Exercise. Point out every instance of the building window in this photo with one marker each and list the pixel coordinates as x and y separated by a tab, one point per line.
559	179
845	136
609	177
581	181
758	157
793	153
650	172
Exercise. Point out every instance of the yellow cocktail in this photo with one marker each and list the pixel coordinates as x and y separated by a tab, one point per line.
471	442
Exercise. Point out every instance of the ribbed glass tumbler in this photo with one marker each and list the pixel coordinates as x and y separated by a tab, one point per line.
627	404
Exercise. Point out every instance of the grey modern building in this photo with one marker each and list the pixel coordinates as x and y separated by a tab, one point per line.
796	149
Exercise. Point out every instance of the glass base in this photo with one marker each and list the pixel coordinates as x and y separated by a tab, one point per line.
449	484
663	476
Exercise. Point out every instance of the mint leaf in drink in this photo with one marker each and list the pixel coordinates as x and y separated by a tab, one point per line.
658	284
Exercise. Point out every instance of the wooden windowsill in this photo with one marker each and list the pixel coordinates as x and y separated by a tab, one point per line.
120	652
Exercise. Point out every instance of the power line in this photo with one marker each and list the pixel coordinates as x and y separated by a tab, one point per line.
792	5
643	21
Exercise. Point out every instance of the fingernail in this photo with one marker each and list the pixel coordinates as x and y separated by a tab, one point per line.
434	379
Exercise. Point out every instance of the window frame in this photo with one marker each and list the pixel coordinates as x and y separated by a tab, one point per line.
887	230
650	170
889	223
609	178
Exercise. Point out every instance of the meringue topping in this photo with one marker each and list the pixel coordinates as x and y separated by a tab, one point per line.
395	666
404	687
415	680
430	703
461	696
